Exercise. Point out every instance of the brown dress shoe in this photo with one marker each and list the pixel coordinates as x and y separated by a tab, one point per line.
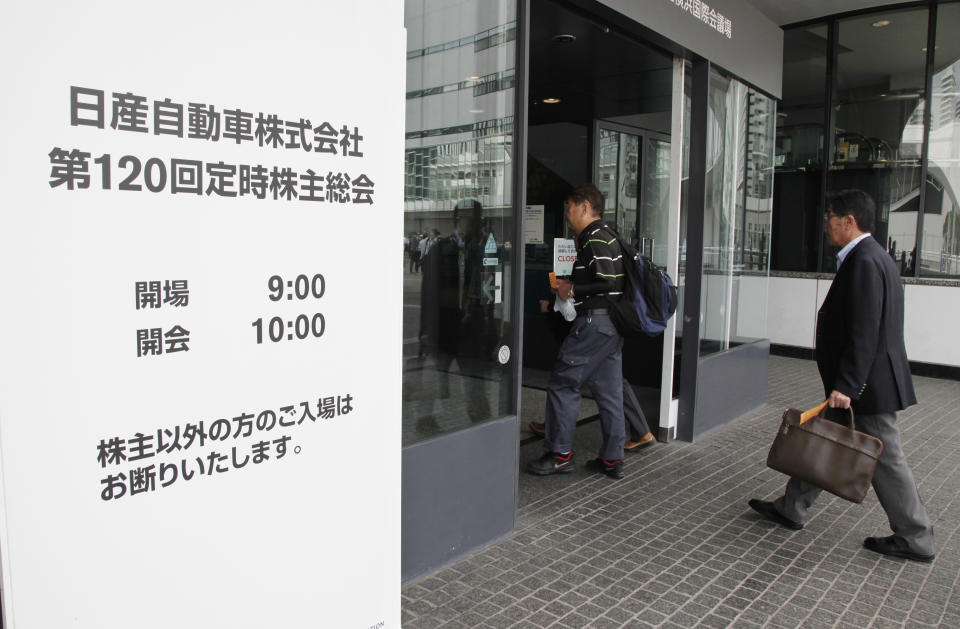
642	442
538	428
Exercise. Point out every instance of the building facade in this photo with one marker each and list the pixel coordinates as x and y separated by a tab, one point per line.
870	101
670	109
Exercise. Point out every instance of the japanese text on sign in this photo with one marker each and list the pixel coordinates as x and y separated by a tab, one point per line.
153	294
130	112
116	452
706	14
73	168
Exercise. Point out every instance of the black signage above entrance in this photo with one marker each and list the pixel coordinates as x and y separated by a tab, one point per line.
754	55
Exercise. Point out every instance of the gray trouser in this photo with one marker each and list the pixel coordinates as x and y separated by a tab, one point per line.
589	355
892	481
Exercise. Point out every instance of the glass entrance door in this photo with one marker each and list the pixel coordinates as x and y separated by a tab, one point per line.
655	193
632	170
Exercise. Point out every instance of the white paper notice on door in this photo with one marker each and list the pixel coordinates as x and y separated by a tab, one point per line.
564	255
533	225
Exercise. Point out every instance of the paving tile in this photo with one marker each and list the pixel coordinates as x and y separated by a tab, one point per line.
674	544
573	621
925	618
883	623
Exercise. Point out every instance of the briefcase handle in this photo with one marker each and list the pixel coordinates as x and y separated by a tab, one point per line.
819	410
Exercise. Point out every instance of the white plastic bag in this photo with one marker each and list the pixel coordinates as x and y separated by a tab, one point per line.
565	307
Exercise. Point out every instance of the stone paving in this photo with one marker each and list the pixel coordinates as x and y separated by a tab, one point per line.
675	545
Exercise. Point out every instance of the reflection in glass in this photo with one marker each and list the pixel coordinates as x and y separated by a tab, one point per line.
618	179
880	86
608	180
754	229
629	160
799	150
680	280
458	214
652	228
737	213
940	255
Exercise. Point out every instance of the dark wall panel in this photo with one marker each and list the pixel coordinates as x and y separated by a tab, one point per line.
459	494
730	384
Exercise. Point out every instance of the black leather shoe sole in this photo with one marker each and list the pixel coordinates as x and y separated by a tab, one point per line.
768	511
894	546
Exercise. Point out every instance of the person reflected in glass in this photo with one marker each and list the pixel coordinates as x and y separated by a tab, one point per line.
456	317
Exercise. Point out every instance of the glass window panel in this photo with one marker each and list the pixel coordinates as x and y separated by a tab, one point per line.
738	208
727	101
877	146
680	280
458	216
940	255
757	218
799	150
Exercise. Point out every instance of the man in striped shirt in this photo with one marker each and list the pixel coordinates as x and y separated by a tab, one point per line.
591	352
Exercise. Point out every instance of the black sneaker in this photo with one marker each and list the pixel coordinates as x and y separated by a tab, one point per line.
551	463
613	469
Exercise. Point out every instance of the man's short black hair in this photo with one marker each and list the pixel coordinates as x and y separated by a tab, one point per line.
856	203
590	194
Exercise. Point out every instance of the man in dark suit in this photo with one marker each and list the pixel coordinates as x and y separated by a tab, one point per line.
863	366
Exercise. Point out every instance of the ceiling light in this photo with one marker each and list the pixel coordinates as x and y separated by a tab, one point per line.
564	38
883	94
880	23
474	78
551	101
476	111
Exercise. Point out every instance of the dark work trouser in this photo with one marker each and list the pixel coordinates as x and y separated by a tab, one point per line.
892	481
636	421
589	355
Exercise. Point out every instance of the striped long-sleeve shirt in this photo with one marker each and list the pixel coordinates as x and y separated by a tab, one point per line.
598	273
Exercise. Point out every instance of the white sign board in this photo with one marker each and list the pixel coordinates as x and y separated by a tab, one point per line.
533	225
195	355
564	255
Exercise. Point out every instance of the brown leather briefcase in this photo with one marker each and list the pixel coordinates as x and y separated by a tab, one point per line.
829	455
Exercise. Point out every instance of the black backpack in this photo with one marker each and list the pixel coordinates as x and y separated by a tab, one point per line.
649	296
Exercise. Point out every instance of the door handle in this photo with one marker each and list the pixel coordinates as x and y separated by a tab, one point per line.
643	247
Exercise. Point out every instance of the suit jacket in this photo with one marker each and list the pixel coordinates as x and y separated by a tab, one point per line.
859	347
